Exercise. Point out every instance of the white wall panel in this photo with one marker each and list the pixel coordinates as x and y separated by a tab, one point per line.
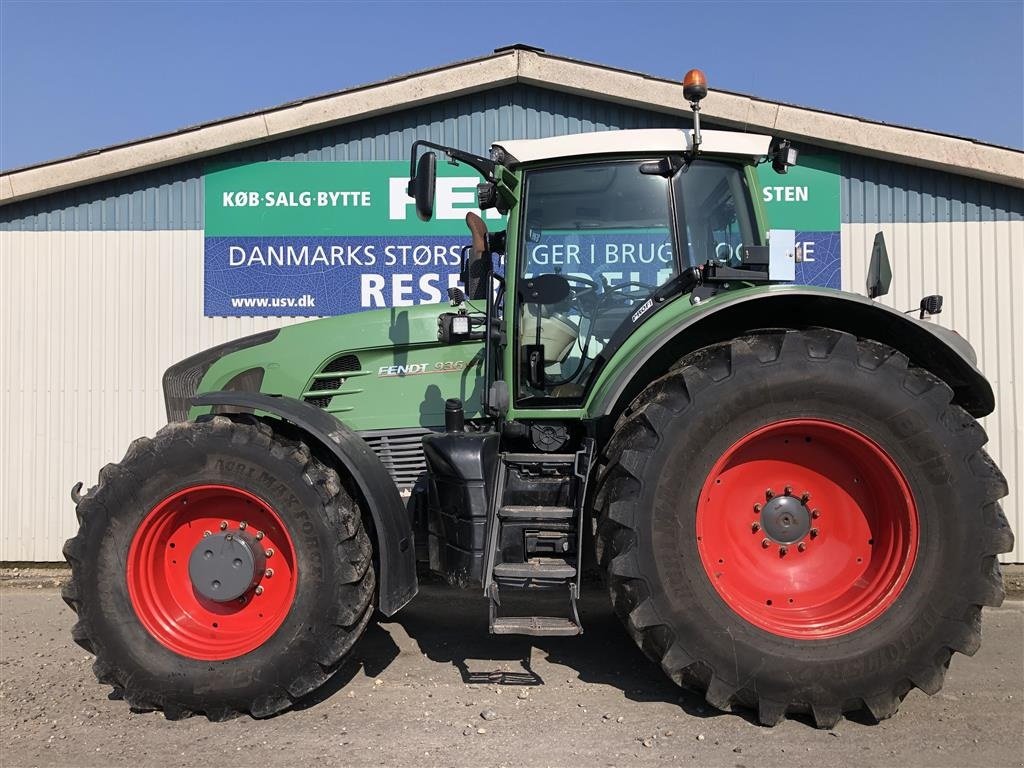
88	323
978	267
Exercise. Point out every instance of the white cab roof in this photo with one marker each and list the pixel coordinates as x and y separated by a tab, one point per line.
651	140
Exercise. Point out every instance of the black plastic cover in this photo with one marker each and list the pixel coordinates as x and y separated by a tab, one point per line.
462	468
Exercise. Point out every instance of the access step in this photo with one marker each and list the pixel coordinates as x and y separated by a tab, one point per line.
536	513
538	626
535	569
539	458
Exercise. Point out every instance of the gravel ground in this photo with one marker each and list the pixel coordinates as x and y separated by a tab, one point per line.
432	688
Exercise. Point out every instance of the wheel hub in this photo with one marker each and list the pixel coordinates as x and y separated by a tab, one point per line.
785	519
223	567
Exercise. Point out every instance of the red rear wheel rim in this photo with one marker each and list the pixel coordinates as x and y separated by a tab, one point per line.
812	566
161	590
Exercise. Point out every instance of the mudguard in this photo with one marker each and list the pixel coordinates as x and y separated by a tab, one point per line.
396	553
932	347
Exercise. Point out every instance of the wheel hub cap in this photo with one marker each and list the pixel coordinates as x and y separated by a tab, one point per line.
785	519
223	567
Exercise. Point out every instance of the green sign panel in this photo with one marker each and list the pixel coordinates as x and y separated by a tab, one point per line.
286	198
806	198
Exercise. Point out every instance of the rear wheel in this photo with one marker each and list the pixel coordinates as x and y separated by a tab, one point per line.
219	569
801	522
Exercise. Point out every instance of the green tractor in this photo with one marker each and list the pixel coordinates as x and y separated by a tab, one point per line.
783	487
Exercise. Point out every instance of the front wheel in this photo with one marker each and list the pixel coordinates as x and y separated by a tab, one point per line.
801	522
219	569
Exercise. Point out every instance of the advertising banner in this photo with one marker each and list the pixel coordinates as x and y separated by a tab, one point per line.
305	239
807	199
322	238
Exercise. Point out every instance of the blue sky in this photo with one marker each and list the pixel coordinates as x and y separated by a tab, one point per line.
81	75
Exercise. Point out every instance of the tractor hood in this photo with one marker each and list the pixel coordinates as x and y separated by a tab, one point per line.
379	369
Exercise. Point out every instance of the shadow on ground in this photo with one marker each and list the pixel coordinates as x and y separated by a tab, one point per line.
450	627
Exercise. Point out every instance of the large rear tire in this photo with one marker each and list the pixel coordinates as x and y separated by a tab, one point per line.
148	562
756	595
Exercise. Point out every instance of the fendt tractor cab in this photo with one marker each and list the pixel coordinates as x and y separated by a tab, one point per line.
783	487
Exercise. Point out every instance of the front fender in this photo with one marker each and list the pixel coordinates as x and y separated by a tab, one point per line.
728	315
396	553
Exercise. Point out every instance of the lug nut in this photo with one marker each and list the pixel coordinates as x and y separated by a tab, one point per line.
223	525
805	498
755	527
258	590
243	525
814	532
229	537
801	546
259	535
815	513
788	490
757	508
242	600
205	534
269	572
269	553
766	543
783	550
768	494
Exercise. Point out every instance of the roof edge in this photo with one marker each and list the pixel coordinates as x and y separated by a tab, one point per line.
527	65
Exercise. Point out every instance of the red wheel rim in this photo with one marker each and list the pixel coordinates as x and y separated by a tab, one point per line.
161	590
807	529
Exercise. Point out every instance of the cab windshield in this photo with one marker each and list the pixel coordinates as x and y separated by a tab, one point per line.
609	232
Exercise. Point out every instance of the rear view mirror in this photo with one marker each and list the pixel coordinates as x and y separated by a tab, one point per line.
879	270
421	186
545	289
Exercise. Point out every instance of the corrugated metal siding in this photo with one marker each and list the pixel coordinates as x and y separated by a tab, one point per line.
964	239
876	191
89	321
172	198
91	318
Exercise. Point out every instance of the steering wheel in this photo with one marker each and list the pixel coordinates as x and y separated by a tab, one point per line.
593	293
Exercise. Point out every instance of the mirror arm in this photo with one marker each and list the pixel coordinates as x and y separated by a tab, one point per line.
484	166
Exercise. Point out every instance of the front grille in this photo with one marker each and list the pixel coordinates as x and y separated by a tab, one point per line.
342	363
322	383
401	452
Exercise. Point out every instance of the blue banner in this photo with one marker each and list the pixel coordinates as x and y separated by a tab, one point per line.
305	276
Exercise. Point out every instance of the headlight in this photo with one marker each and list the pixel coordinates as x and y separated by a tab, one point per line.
181	380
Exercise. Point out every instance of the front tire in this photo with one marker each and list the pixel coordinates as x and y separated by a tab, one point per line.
149	571
773	607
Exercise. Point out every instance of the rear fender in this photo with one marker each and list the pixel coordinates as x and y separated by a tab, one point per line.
396	552
927	345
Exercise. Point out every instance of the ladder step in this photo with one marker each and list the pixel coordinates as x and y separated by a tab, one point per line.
535	625
539	458
535	513
535	569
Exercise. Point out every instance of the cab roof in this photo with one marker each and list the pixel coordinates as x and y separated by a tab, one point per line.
654	141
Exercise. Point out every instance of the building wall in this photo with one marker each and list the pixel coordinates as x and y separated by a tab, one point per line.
101	288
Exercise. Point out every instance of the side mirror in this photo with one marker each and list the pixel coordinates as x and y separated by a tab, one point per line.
879	270
421	186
